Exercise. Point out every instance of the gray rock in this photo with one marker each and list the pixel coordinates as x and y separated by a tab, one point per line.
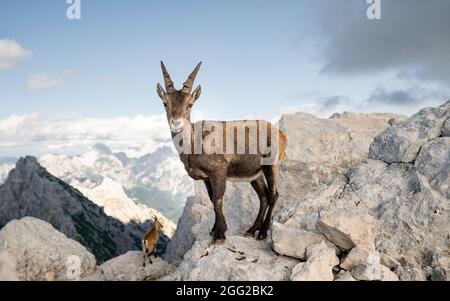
401	143
372	271
344	276
7	267
347	229
319	149
43	253
129	267
238	258
446	129
293	242
407	201
433	166
319	265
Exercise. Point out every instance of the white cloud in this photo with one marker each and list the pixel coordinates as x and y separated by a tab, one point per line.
46	81
11	52
36	135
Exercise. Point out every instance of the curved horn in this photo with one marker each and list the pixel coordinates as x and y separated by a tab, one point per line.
187	85
169	83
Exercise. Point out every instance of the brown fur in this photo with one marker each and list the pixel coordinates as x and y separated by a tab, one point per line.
150	240
214	169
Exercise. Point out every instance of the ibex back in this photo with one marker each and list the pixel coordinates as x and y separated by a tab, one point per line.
217	151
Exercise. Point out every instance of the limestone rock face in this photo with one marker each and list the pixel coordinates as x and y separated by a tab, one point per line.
394	217
129	267
401	142
44	254
319	149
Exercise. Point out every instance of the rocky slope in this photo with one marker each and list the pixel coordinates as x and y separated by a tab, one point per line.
31	249
112	198
318	149
386	218
32	191
157	179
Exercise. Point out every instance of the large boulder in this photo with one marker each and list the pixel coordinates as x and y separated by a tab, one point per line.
130	267
43	253
293	242
321	259
402	142
319	149
237	259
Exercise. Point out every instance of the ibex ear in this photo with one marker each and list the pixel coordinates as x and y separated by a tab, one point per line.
161	92
196	94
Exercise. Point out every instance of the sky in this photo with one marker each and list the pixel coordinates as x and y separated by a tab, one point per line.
66	84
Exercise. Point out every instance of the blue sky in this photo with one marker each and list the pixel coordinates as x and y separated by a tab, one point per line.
260	58
116	48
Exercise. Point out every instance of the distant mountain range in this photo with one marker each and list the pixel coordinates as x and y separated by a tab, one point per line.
107	229
157	180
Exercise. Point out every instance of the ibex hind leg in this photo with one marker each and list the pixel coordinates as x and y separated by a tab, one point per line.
270	172
260	187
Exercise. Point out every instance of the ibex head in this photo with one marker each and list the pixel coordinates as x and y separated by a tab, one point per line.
178	103
157	223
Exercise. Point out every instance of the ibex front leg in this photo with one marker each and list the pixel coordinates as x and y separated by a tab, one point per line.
209	189
218	182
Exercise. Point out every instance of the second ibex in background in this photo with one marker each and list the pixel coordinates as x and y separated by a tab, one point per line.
150	240
217	151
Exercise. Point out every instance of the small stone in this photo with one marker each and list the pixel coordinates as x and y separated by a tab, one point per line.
293	242
319	265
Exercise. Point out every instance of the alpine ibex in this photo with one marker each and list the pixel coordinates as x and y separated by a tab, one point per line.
217	151
150	240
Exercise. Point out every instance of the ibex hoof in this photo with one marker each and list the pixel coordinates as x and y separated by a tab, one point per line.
249	234
218	241
261	236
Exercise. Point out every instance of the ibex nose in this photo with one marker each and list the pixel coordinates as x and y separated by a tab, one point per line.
177	123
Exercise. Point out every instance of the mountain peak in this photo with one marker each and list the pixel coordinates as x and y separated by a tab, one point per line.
102	148
27	161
